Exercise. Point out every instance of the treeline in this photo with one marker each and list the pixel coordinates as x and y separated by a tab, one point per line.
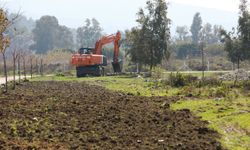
47	34
41	46
150	43
200	47
186	42
237	41
147	43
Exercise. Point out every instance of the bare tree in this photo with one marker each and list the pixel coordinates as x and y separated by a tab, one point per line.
19	67
4	41
23	56
14	57
5	24
15	53
37	66
41	66
31	66
20	44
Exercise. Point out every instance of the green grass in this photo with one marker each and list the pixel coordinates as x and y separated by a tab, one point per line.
230	119
230	116
134	85
199	73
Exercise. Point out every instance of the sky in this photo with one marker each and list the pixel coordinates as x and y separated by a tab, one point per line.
116	15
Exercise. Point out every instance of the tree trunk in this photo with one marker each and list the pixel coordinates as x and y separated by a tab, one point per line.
5	73
41	67
19	68
203	68
238	63
151	61
14	71
31	67
24	68
37	67
151	68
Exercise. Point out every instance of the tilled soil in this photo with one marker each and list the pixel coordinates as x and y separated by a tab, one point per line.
72	115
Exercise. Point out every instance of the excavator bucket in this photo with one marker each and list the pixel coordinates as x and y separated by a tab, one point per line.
117	67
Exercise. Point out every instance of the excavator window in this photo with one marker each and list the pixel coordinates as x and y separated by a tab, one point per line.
85	51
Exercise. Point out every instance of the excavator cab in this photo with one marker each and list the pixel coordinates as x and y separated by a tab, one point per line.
85	51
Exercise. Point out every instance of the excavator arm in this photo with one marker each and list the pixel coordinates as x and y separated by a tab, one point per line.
115	38
106	40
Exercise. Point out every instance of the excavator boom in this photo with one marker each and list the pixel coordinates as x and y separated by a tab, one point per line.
106	40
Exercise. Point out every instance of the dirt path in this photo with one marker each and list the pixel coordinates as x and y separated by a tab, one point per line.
11	78
72	115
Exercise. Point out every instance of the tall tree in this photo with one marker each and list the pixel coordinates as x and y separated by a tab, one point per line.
4	41
207	33
45	34
216	34
196	28
237	44
244	28
233	47
49	35
152	35
88	34
64	38
134	47
182	32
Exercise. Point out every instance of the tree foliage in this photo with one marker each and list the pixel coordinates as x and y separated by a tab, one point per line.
65	38
237	43
244	29
148	42
4	22
196	28
232	46
134	46
185	50
88	34
4	41
182	32
48	35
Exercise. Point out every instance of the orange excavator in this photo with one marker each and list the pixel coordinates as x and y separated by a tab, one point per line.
90	61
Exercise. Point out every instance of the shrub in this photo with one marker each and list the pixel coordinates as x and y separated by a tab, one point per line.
211	81
60	75
246	85
157	73
180	80
221	92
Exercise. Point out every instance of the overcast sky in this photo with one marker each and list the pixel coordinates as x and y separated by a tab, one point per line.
120	14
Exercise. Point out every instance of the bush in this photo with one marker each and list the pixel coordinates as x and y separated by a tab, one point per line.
180	80
221	92
189	91
157	73
211	81
60	75
246	85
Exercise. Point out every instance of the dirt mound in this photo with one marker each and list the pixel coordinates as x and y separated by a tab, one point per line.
66	115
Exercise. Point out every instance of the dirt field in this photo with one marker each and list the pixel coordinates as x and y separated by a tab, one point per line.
72	115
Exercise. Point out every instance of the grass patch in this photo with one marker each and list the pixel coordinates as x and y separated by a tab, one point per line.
133	85
230	119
